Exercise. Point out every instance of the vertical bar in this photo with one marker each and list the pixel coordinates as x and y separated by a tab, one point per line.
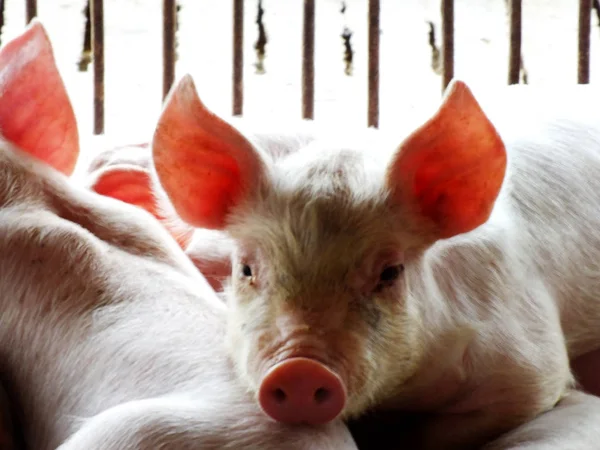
238	57
97	7
308	60
86	52
447	41
31	9
373	107
87	32
514	57
169	20
1	16
583	69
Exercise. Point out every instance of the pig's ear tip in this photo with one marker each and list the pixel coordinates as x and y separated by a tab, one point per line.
458	92
35	23
36	26
37	31
185	88
187	78
457	85
186	83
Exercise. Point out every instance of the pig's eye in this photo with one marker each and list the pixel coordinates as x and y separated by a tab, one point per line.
246	270
390	274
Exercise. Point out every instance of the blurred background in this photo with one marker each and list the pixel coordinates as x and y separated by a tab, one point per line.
410	34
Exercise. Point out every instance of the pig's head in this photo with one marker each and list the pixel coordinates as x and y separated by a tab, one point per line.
322	321
35	111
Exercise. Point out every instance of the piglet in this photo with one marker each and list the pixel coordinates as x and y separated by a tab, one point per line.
453	271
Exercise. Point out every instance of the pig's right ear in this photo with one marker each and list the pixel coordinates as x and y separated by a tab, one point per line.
35	111
204	164
448	173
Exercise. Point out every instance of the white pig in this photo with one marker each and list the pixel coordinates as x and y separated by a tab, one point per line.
455	271
110	338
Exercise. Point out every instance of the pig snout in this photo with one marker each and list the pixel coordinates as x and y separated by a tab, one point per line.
302	390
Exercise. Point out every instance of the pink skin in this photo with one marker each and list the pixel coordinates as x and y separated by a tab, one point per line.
302	390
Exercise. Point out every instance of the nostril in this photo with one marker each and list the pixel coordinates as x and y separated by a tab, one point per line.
321	395
279	395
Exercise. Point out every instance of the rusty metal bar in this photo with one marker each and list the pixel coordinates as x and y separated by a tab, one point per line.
169	24
447	42
238	57
373	107
583	67
97	7
308	60
1	16
514	57
31	9
86	53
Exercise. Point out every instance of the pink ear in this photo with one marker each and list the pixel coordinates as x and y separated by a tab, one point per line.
132	184
205	166
450	170
35	112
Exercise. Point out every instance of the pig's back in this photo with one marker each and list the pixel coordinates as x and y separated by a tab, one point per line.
553	193
98	306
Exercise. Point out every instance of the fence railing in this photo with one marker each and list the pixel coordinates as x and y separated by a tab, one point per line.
96	17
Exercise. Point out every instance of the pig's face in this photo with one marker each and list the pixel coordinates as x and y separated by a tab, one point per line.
323	321
319	273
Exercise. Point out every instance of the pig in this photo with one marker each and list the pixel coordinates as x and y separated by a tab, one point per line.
452	271
210	250
110	337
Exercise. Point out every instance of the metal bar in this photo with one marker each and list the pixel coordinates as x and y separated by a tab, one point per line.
97	7
169	23
447	42
87	32
514	57
86	53
583	68
308	61
373	107
238	57
1	16
31	9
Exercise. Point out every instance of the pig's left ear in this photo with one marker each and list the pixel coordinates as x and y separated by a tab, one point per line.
133	184
205	166
35	111
449	172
